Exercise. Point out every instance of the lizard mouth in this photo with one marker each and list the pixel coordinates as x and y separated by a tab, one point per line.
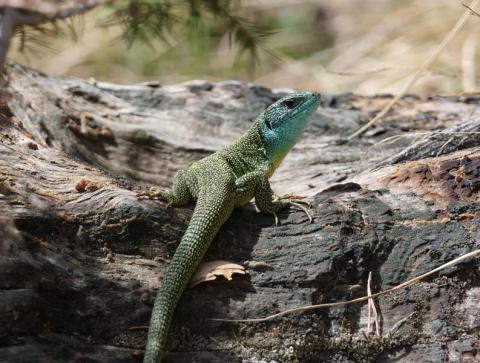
310	103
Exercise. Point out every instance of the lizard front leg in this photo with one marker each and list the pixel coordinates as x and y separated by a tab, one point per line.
265	199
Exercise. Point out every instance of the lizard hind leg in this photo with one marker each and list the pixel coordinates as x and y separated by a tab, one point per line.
180	194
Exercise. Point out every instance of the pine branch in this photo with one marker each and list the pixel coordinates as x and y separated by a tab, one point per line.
142	20
247	34
49	11
145	20
19	13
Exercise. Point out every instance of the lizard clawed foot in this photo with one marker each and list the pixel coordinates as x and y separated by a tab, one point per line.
154	193
293	198
151	193
297	202
301	207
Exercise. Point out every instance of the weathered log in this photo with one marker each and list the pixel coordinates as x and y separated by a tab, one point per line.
81	253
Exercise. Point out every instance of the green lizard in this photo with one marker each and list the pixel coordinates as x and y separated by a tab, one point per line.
218	183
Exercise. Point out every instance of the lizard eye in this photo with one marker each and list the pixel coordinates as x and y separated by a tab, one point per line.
289	103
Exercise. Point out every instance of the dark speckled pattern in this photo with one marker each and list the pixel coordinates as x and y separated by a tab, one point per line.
218	184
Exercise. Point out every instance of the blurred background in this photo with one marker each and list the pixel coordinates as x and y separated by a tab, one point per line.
361	46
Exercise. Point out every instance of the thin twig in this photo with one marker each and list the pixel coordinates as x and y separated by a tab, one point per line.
471	10
440	150
51	10
457	27
414	134
388	69
369	294
372	309
399	323
357	300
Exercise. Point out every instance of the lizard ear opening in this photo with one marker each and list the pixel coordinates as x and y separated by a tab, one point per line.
267	122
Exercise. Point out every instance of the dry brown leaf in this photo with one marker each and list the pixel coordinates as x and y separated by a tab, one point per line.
209	271
258	265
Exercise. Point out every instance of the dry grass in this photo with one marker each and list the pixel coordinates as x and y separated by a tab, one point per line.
379	44
426	65
375	47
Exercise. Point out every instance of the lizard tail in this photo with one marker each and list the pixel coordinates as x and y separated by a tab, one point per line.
211	211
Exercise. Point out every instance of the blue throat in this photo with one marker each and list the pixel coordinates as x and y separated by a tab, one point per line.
282	124
277	143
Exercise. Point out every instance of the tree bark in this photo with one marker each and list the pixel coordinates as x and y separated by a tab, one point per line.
81	252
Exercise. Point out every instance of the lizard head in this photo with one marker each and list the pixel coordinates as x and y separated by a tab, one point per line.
283	122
